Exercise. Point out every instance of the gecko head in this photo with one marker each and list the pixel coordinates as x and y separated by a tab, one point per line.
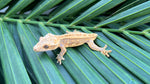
48	42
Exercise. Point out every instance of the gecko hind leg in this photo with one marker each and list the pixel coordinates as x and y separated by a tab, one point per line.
61	54
93	46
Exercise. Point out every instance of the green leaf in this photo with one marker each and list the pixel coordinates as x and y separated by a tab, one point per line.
12	64
131	13
147	35
24	22
38	62
107	68
136	22
97	9
122	57
127	5
138	41
43	6
128	59
18	7
59	8
131	48
4	3
72	7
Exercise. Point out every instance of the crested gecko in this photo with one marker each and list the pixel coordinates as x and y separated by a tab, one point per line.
70	39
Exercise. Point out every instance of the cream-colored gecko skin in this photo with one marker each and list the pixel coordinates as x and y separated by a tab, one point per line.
70	39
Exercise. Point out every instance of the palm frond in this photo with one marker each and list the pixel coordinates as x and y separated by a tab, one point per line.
123	25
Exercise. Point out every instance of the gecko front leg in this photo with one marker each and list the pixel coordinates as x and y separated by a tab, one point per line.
93	46
61	54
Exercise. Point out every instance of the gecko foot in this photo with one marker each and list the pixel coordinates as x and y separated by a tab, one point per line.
59	58
105	52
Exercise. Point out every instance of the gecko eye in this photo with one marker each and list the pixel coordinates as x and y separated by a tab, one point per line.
46	46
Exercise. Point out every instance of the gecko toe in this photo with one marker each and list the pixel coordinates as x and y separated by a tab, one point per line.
109	51
105	47
59	61
105	52
63	58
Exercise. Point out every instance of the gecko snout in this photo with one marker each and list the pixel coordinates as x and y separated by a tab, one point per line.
34	48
